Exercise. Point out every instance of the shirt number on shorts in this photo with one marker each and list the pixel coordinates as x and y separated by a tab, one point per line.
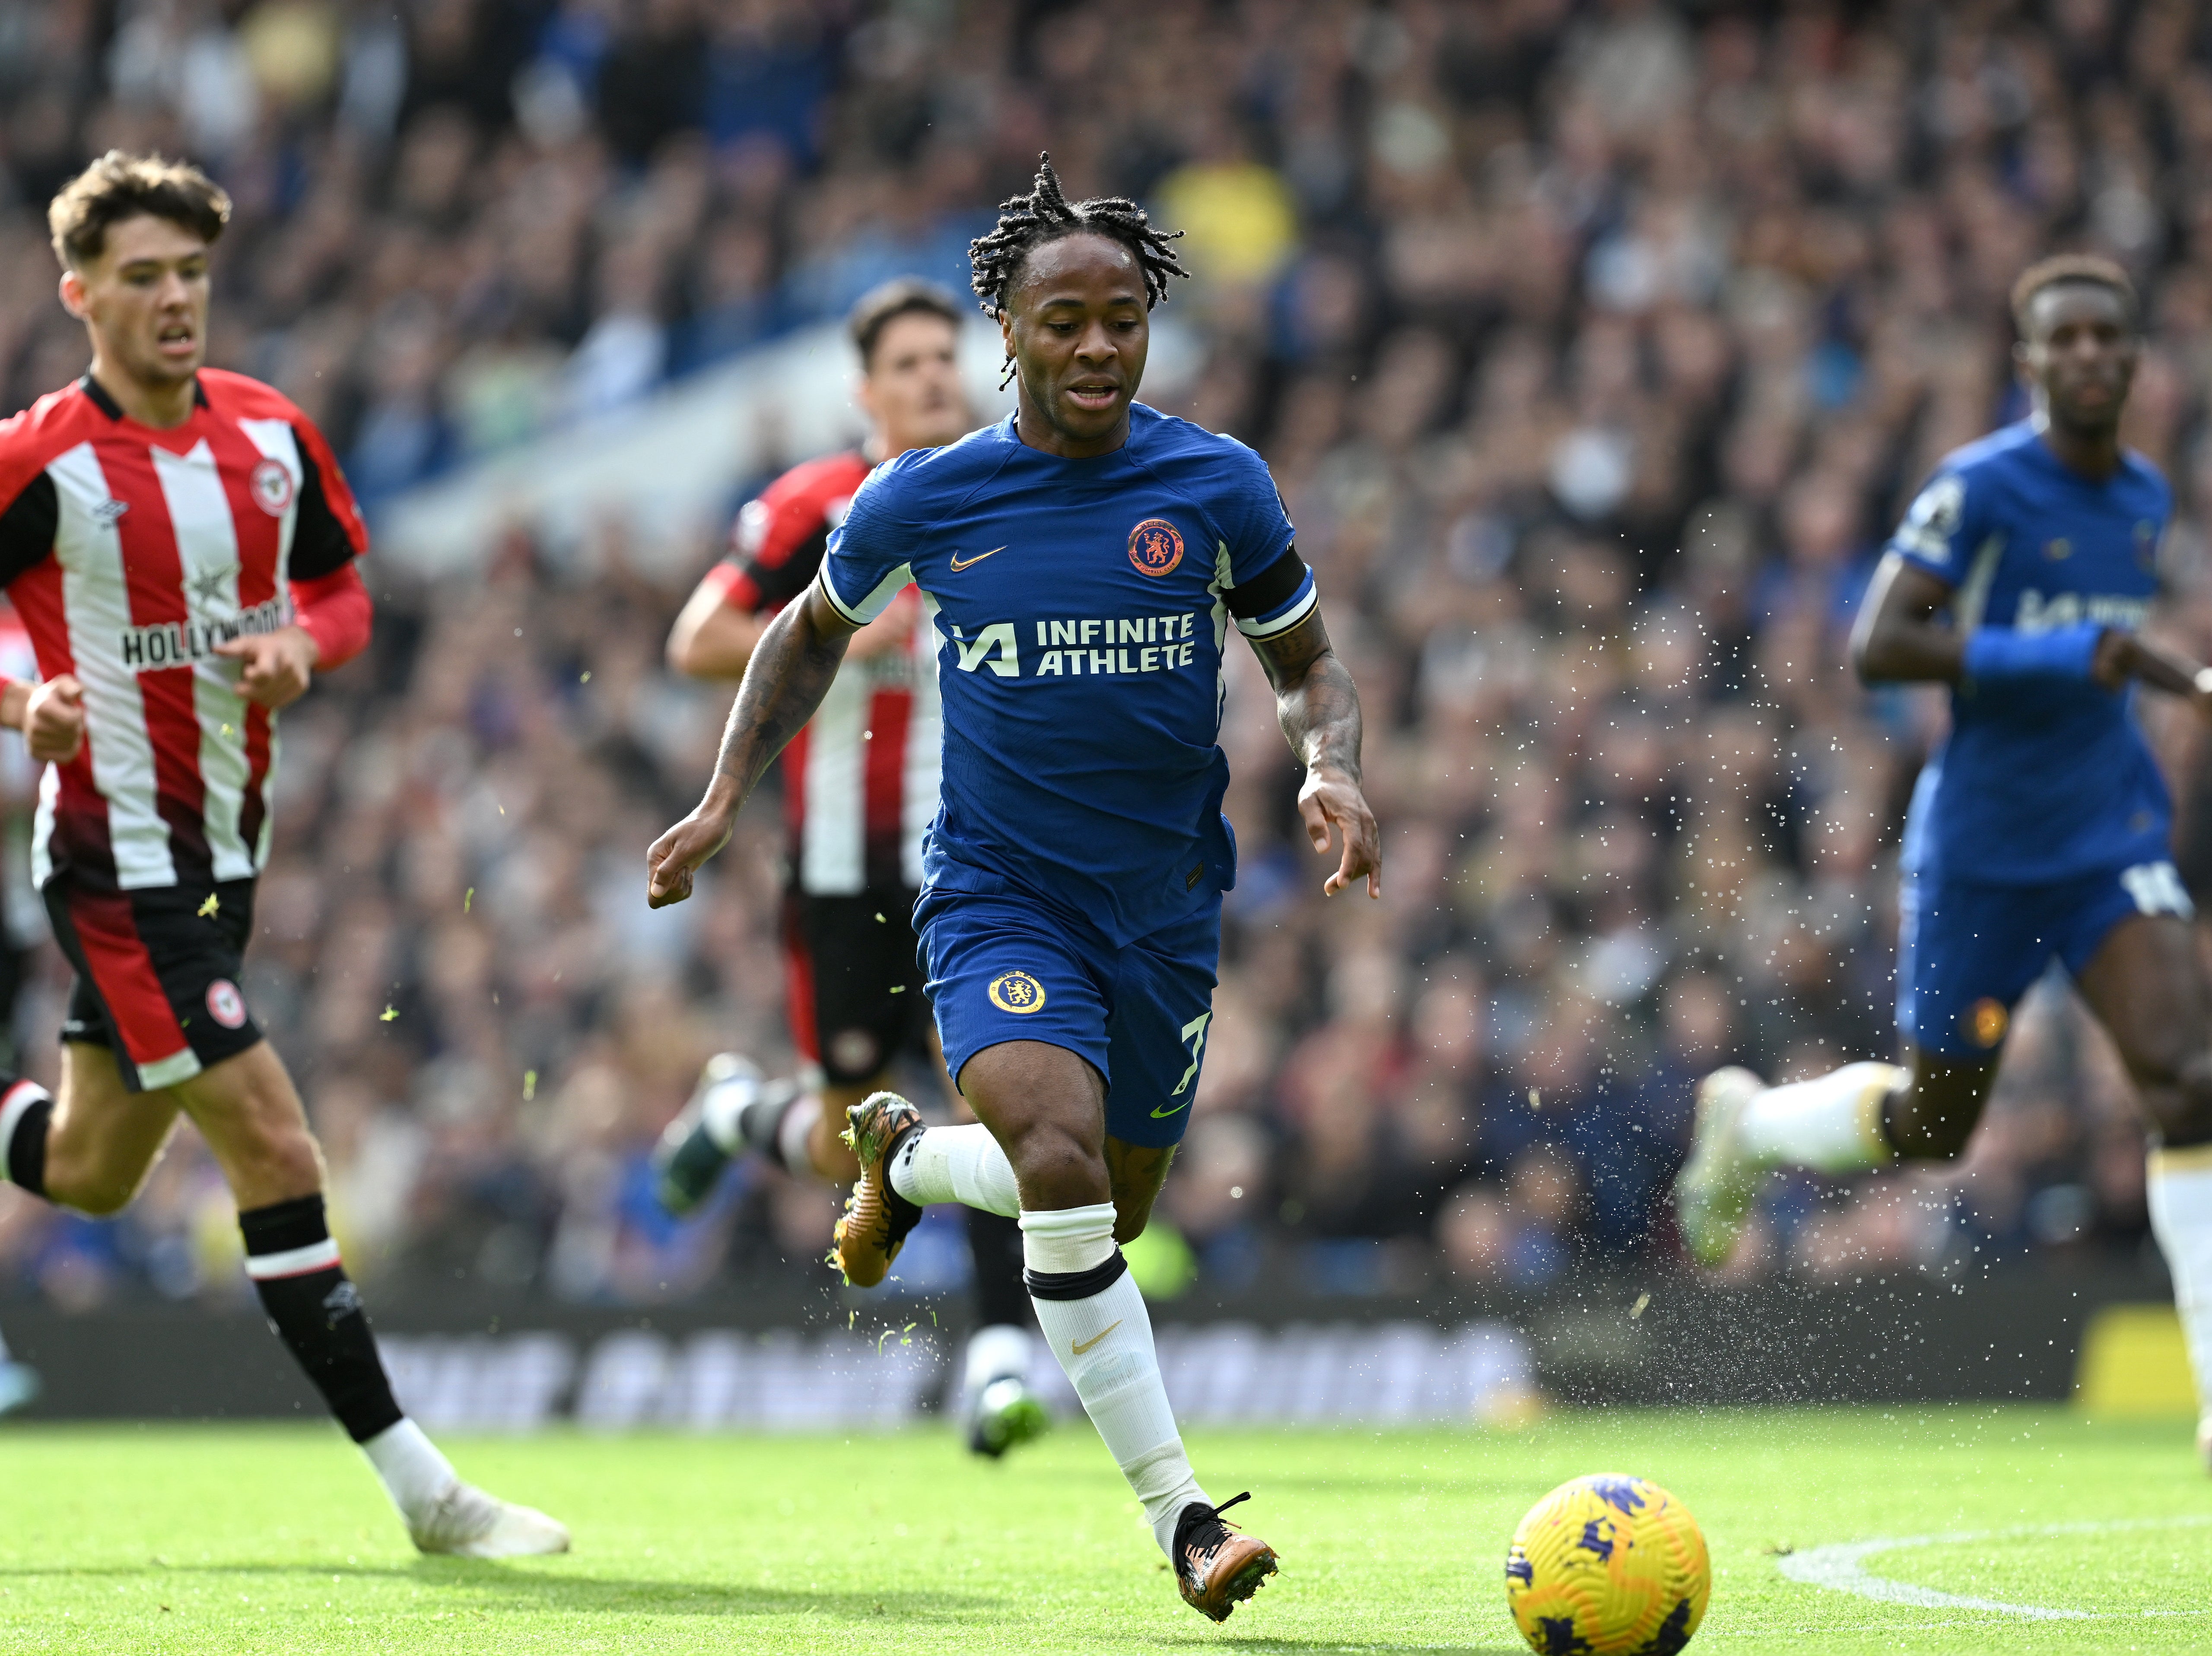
2157	888
1193	1032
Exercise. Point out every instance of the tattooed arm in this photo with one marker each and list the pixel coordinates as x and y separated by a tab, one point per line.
1319	706
785	681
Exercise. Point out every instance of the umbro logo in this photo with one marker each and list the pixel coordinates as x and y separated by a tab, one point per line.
959	562
340	1303
108	511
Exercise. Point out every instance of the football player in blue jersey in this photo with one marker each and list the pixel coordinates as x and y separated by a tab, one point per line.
1082	562
2040	831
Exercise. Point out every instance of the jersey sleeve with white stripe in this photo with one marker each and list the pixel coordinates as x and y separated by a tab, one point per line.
1265	590
867	562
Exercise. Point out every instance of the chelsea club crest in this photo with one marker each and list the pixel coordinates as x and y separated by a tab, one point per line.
1017	992
1155	546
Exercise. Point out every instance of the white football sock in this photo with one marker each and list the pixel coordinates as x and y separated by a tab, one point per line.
415	1475
2179	1188
1832	1123
997	1353
957	1164
793	1128
719	1109
1104	1341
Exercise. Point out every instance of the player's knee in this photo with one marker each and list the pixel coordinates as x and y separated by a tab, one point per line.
297	1162
1056	1168
94	1198
87	1186
276	1158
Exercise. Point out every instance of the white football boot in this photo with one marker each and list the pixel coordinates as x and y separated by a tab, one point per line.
1714	1190
467	1523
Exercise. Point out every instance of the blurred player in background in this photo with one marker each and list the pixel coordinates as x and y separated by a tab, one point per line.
860	788
180	544
1083	560
2041	830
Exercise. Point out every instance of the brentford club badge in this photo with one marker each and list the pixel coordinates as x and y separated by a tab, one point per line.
272	487
1155	546
225	1004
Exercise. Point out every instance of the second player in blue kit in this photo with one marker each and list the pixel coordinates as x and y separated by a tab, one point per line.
2043	821
1082	563
2040	830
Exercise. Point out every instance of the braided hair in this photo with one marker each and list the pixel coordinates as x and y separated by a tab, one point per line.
1027	222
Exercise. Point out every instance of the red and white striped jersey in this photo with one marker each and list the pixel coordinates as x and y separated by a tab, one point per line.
130	553
860	782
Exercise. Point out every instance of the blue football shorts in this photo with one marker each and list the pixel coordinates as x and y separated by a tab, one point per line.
1008	967
1967	952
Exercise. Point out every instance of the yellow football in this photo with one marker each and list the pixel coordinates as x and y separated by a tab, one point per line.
1608	1565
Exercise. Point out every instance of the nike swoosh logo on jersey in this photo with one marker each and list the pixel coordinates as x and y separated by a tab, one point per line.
959	562
1082	1346
1162	1115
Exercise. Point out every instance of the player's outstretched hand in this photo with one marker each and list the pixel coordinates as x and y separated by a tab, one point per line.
1331	799
681	853
277	666
53	720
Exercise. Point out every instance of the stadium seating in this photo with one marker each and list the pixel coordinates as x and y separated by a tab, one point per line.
1593	361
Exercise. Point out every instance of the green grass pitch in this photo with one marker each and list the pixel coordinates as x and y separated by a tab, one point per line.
276	1539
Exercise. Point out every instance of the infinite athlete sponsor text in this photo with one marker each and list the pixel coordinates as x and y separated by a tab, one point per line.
180	644
1136	644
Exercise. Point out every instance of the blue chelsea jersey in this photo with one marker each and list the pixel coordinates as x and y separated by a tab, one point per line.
2041	780
1080	618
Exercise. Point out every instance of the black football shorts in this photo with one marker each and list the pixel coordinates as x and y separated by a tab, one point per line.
157	975
852	983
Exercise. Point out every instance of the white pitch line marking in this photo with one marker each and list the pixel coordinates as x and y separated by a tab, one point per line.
1837	1566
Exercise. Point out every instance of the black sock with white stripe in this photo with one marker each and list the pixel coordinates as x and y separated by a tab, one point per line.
314	1308
26	1111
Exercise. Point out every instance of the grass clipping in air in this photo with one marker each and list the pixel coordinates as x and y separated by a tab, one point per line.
276	1539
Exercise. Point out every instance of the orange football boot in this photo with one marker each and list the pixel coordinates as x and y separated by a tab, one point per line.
1216	1566
877	1217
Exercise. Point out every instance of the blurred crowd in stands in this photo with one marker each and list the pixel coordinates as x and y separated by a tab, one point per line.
1596	347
